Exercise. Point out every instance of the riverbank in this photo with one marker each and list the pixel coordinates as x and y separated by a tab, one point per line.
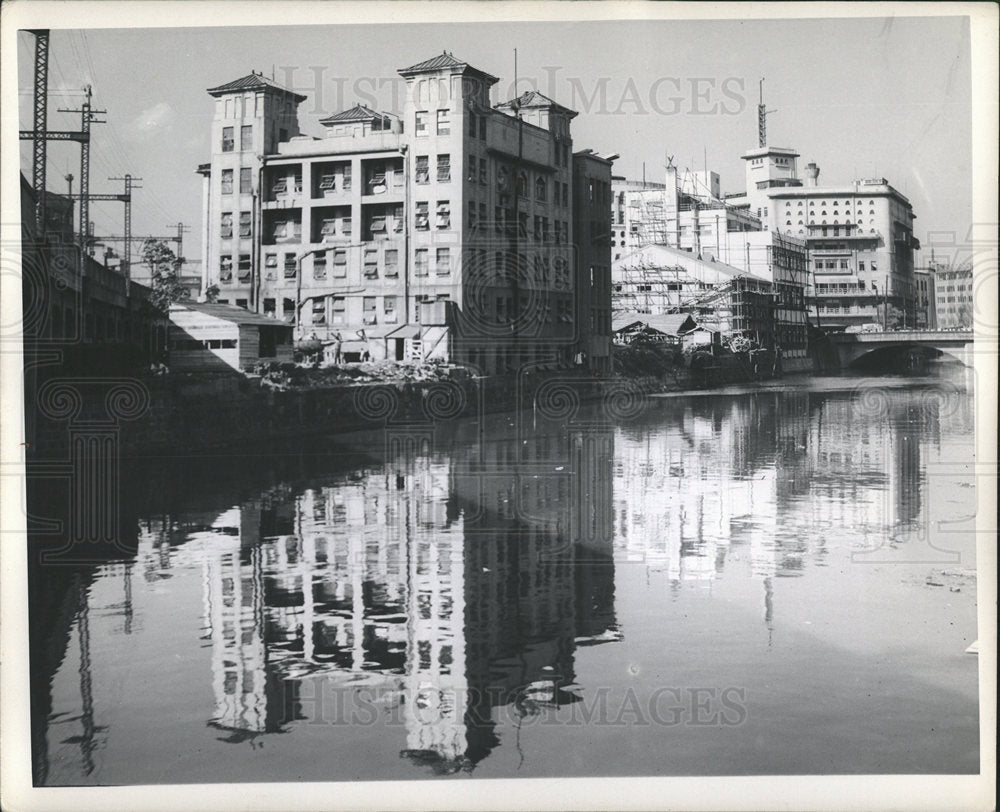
154	415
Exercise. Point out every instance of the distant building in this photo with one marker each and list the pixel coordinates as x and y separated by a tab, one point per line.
953	295
924	280
687	212
456	215
665	329
782	260
859	236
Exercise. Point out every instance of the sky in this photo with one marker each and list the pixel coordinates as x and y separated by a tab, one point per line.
861	97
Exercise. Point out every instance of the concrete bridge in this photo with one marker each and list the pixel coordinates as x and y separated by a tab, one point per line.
903	346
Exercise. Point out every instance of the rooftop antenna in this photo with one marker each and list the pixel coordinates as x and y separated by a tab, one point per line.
762	112
517	107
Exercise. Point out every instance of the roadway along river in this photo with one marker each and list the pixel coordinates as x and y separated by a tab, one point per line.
776	581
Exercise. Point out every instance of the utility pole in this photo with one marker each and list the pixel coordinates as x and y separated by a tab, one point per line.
179	239
87	117
127	198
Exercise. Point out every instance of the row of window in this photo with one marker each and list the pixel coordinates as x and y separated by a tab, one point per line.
442	119
246	138
842	264
548	271
847	203
226	228
246	181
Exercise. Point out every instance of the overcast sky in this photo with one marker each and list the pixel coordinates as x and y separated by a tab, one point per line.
862	98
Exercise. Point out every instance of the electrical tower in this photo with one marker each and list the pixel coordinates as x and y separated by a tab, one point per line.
127	197
87	117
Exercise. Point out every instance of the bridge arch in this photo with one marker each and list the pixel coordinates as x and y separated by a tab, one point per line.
905	354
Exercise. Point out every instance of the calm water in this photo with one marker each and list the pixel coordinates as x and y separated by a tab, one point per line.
779	581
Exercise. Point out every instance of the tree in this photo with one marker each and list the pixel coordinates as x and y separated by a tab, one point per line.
165	272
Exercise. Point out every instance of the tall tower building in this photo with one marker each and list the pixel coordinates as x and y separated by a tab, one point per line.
252	116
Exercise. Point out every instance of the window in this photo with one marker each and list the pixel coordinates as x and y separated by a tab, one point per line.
482	128
371	263
482	214
244	224
340	262
444	168
226	231
246	137
421	122
472	214
423	169
861	265
287	307
227	181
346	177
226	268
392	262
874	266
443	214
443	122
241	303
540	190
290	267
245	181
270	266
389	309
270	307
522	184
422	216
473	124
329	227
319	311
368	306
420	262
483	167
319	266
443	261
339	310
473	173
227	139
346	225
243	269
565	194
328	182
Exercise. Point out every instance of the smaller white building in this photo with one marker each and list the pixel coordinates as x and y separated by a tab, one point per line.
217	338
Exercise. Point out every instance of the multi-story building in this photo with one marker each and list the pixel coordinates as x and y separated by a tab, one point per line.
859	236
446	232
782	260
953	299
591	198
924	280
686	212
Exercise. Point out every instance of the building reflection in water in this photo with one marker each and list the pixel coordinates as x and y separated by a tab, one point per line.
458	579
452	583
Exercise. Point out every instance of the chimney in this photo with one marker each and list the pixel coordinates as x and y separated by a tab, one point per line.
812	174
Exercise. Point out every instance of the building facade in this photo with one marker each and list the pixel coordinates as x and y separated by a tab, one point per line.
687	212
924	280
446	232
953	296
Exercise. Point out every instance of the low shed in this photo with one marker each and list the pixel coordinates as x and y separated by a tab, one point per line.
216	337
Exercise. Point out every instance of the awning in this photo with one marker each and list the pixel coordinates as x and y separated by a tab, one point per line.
406	331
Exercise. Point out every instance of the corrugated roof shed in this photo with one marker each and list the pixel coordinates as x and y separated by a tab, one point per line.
236	315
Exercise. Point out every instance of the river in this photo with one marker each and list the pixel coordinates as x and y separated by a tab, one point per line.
766	580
